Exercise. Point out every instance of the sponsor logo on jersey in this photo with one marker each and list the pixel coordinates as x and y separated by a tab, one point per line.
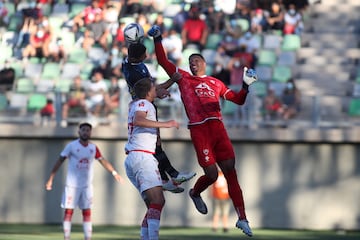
203	90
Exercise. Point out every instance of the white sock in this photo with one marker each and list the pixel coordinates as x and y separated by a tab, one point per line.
67	229
87	227
144	233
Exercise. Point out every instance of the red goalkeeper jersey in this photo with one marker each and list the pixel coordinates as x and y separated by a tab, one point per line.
200	95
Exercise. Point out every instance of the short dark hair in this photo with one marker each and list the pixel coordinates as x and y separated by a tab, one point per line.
196	55
136	50
85	124
142	87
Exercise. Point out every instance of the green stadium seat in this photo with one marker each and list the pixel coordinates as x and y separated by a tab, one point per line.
77	55
259	88
281	73
24	85
291	42
266	58
51	71
36	102
213	40
354	107
3	102
63	85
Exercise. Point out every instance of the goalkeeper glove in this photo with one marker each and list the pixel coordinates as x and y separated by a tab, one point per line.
155	32
249	76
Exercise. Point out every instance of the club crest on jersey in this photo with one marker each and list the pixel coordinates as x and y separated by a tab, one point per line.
203	90
141	104
206	153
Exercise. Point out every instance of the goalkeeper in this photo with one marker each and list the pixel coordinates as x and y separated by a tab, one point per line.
200	96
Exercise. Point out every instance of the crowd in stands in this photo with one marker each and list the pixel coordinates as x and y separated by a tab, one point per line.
227	33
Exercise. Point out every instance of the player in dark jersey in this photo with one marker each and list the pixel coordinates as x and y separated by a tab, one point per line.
134	69
201	95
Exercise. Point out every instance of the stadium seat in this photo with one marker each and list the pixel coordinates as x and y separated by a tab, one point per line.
77	55
291	42
18	101
50	71
24	85
3	102
75	9
259	88
264	73
209	55
36	102
71	70
243	23
287	58
18	68
354	107
45	85
149	44
63	85
32	69
213	40
281	73
6	52
266	58
272	41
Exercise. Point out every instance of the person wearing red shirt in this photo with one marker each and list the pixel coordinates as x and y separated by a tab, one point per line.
194	30
39	44
200	95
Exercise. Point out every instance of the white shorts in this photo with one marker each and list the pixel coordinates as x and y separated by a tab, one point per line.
77	197
142	170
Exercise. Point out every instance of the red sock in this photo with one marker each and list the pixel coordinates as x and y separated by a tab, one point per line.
201	184
235	193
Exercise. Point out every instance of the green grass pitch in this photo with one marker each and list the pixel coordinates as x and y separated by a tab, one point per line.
52	232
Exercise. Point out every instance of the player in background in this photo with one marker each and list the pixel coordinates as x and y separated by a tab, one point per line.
221	198
200	95
80	172
140	164
134	69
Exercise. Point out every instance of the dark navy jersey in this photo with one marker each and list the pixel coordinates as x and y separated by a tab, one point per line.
133	72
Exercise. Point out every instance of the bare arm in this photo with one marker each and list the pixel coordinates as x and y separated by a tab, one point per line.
56	167
141	121
108	166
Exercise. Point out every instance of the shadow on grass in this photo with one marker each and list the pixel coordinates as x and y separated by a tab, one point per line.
52	232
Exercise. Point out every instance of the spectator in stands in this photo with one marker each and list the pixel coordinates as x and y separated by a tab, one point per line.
275	17
291	99
111	14
4	17
57	51
272	105
87	16
258	21
215	19
293	21
250	41
119	38
222	73
96	91
237	63
159	21
75	100
195	30
179	19
48	111
143	21
112	100
34	11
173	46
27	29
116	58
133	7
7	77
97	32
38	45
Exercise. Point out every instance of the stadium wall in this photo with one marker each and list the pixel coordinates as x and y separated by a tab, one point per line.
300	179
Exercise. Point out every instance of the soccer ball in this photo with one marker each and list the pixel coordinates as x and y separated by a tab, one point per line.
134	33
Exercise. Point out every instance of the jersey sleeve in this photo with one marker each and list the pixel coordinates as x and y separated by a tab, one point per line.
66	151
98	154
235	97
168	66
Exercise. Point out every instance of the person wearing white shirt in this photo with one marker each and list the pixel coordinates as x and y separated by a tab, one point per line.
140	164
